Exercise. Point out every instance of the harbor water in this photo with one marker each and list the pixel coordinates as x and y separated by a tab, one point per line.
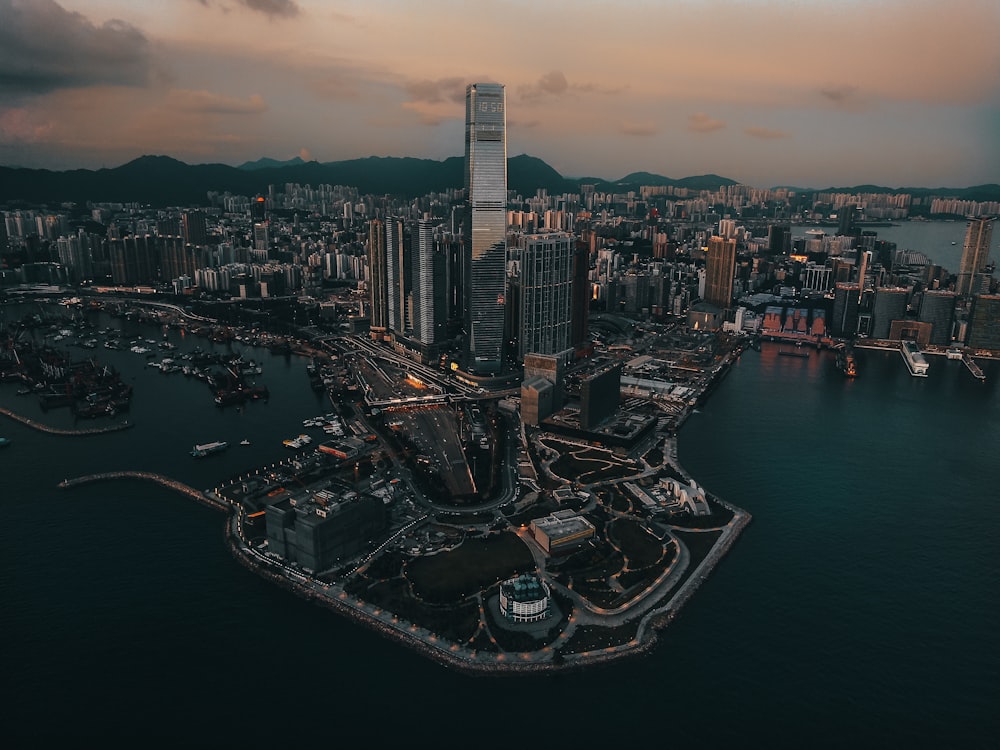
858	607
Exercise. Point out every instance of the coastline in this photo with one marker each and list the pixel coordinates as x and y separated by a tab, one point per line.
656	614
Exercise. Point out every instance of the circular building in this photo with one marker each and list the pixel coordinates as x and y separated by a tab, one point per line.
525	598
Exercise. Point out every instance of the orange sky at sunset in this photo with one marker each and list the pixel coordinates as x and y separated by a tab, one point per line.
795	93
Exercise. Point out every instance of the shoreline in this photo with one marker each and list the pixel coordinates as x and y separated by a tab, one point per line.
652	620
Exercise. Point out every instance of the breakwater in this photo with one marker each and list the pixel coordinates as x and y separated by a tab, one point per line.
191	492
64	431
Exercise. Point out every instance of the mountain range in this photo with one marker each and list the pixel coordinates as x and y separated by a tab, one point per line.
164	181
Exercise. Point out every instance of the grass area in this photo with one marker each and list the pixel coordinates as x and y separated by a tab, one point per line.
640	547
719	516
455	622
470	568
595	637
654	457
542	507
699	544
571	467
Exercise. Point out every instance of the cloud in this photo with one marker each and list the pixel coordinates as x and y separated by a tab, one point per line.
44	47
699	122
434	92
554	84
335	86
208	102
639	128
847	98
766	133
270	8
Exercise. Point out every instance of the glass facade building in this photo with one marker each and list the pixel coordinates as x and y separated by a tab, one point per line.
546	293
486	225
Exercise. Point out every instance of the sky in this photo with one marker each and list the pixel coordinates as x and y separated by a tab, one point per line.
767	92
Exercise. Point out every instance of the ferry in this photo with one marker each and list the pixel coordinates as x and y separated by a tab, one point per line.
206	449
915	361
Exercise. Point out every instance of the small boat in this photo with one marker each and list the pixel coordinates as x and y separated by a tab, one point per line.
4	442
244	441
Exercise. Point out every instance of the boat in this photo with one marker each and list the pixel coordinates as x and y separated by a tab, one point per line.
206	449
914	359
792	353
244	441
4	442
846	364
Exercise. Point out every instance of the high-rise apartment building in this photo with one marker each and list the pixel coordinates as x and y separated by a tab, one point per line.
378	279
397	274
546	297
430	284
975	254
486	225
720	268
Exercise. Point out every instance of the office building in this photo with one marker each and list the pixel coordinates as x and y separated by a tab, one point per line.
720	267
984	322
889	305
937	307
846	310
486	225
546	293
975	254
600	395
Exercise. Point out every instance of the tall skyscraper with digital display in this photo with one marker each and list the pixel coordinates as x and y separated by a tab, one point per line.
486	225
975	254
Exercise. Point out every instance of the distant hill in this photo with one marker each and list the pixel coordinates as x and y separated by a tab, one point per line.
700	182
265	163
163	181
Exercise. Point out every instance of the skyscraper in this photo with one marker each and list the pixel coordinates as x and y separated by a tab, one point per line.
975	254
378	279
486	225
397	274
937	307
546	293
430	284
720	267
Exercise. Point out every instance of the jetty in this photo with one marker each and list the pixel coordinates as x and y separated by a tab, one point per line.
213	502
64	431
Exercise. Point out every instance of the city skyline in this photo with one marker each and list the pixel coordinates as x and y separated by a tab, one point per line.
896	94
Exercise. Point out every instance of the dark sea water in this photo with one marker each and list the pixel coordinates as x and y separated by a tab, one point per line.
858	609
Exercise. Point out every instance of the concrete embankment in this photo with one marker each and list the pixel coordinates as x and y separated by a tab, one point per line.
62	431
173	484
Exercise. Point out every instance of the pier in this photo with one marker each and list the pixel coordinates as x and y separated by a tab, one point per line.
62	431
975	369
211	502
